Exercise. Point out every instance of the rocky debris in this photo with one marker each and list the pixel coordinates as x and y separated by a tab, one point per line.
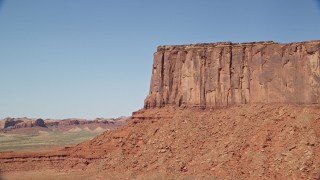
239	142
223	74
259	141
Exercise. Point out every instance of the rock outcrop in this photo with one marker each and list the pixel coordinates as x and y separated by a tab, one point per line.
18	123
222	74
39	123
14	123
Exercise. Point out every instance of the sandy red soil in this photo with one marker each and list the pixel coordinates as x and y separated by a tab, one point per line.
241	142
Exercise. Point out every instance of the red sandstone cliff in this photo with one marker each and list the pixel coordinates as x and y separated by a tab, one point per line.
251	141
222	74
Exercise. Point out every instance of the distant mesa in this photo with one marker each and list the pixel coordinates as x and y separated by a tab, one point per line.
12	123
18	123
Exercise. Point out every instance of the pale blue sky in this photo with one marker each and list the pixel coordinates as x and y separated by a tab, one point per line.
80	58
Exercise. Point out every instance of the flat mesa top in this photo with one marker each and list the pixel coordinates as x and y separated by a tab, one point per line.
222	44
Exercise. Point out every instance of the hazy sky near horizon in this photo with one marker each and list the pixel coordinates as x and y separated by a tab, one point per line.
89	59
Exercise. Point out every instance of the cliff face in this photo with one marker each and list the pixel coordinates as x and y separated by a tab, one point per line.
222	74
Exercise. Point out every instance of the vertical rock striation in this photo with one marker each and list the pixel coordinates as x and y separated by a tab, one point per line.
222	74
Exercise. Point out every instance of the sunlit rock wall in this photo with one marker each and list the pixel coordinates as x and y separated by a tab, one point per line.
222	74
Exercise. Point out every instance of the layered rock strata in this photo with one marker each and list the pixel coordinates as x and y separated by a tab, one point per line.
222	74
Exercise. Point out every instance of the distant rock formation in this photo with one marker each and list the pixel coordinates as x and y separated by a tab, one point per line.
17	123
13	123
40	123
222	74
